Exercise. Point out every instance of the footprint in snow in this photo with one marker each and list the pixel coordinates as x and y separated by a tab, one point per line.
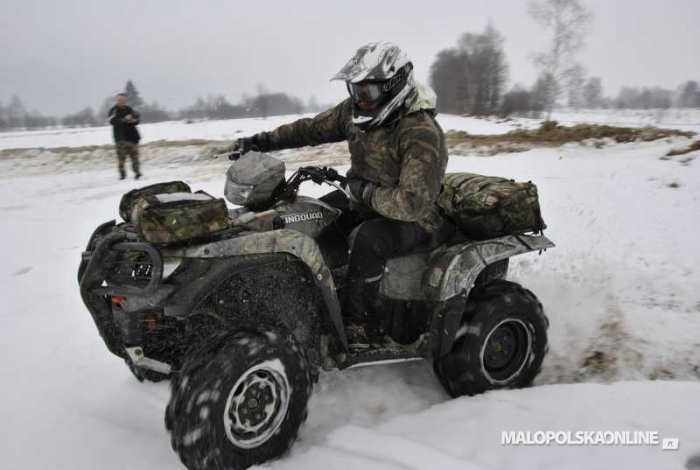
693	462
13	208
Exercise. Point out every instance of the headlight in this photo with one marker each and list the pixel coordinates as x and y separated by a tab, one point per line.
237	193
169	266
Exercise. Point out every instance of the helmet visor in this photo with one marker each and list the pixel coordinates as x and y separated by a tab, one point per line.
366	92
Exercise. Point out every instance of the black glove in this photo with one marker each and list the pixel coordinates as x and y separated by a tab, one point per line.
361	190
259	142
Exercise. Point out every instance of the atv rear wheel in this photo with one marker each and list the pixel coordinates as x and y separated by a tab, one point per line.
239	400
500	344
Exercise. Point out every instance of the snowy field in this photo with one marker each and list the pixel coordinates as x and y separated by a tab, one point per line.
227	129
683	119
622	291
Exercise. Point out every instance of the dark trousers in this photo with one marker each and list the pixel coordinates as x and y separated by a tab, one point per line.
376	241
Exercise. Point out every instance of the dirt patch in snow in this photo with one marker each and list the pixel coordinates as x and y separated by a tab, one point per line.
170	153
695	146
551	134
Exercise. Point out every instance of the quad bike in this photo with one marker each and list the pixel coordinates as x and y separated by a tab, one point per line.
243	321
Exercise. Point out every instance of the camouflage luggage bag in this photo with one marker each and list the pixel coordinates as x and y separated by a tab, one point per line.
486	207
169	218
129	200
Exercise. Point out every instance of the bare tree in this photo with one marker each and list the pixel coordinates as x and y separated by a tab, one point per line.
517	101
3	117
689	96
84	118
447	79
470	78
16	113
593	93
543	95
262	100
575	86
645	98
568	21
496	67
312	104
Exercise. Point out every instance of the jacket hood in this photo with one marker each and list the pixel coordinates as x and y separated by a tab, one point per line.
426	99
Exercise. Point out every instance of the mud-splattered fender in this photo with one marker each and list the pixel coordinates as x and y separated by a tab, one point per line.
464	267
276	241
454	273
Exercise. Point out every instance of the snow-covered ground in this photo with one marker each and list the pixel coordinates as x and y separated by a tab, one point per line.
622	291
171	130
683	119
228	129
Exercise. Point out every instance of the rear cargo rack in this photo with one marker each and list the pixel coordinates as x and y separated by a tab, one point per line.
122	268
137	267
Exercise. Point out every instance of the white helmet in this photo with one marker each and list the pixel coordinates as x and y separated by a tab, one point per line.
380	81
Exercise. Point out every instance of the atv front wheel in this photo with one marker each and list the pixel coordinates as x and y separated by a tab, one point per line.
500	344
239	400
146	375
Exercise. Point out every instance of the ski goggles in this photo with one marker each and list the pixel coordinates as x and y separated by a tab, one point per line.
378	91
366	92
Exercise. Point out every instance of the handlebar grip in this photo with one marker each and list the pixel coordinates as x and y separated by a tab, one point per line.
333	175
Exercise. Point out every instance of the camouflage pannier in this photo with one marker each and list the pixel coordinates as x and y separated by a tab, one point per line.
179	217
489	206
129	200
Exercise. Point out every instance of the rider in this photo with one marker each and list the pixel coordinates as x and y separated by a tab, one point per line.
398	159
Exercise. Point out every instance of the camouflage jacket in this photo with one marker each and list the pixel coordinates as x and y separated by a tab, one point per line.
406	158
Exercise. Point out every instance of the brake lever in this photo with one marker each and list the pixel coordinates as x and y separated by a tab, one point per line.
320	175
337	176
241	147
315	173
339	188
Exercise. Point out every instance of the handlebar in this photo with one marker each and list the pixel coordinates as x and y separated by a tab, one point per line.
236	151
318	175
241	147
322	174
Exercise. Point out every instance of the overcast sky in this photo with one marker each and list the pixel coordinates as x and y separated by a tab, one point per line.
61	56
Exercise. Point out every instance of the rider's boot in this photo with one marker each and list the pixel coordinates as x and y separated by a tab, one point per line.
362	322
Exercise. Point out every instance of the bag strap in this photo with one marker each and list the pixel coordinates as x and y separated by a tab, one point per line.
201	191
532	191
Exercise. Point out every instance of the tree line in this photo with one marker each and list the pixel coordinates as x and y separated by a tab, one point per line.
471	77
14	115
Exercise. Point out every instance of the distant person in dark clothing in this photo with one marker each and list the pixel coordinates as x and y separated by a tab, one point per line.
124	120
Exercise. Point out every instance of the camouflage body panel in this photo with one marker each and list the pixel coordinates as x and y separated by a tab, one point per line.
404	276
306	215
406	159
179	217
446	271
455	271
486	207
277	241
129	200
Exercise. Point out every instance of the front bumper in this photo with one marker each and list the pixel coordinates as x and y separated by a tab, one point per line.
120	276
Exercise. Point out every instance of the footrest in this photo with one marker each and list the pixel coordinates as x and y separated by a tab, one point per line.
382	353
